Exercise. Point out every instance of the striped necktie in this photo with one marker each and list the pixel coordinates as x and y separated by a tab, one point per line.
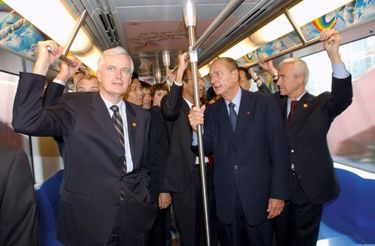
119	126
232	115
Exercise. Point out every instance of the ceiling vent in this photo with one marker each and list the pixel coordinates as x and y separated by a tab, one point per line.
109	27
99	24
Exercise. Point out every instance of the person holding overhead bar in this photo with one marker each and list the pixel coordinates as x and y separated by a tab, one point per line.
105	198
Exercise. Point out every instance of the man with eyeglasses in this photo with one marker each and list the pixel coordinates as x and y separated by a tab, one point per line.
105	198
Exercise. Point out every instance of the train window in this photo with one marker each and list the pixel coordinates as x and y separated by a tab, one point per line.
352	135
8	87
35	147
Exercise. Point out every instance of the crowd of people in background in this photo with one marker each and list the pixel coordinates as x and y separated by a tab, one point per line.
129	150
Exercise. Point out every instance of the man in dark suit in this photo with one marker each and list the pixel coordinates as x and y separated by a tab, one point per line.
182	178
18	216
307	119
248	145
158	155
105	198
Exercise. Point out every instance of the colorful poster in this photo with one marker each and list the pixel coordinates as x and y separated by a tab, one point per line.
353	13
16	33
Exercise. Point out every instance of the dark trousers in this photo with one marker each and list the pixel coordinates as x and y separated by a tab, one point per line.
215	229
189	213
133	222
160	235
298	224
241	233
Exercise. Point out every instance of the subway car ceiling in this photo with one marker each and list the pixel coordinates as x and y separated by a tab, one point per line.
150	28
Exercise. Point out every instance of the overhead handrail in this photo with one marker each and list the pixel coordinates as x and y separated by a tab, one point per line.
70	41
225	13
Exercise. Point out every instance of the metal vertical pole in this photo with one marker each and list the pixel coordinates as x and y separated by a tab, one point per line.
166	63
190	22
156	70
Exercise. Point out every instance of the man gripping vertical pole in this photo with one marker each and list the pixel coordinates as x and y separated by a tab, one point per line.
190	22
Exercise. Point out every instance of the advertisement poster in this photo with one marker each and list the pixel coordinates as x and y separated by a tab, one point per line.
16	33
353	13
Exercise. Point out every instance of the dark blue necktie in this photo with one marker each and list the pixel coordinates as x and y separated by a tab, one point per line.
119	126
232	115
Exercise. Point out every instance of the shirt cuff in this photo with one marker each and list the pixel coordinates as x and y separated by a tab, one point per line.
178	83
339	71
58	81
194	139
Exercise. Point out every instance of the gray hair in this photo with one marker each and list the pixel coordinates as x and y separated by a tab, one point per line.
299	65
114	52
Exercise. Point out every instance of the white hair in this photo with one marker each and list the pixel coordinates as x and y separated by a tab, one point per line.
113	52
299	65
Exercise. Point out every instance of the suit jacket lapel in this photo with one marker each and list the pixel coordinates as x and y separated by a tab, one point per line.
303	106
102	117
224	119
132	127
246	110
185	109
283	107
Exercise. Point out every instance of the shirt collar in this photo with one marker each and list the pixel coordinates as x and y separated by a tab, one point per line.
299	98
108	104
236	99
188	102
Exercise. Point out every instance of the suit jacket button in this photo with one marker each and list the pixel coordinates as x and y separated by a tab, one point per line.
235	167
292	151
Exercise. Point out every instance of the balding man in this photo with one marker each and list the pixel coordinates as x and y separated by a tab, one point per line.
244	133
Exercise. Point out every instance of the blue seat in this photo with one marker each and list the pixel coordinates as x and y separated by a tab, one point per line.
47	199
352	214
